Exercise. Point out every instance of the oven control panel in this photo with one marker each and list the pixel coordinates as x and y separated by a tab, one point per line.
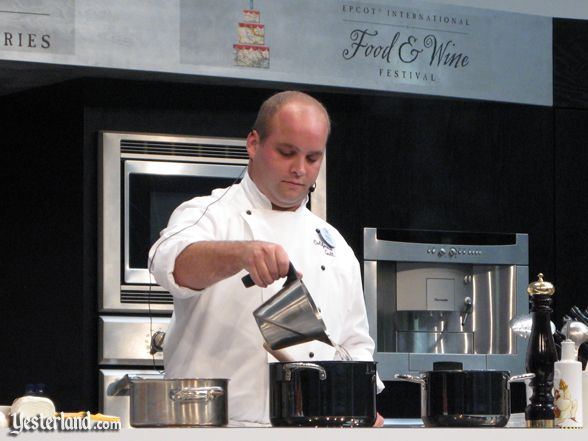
445	251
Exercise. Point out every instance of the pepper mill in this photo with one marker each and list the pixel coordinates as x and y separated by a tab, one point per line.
541	355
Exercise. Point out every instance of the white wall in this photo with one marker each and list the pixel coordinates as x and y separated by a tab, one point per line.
550	8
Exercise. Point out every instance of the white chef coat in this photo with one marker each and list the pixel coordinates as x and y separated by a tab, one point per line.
213	334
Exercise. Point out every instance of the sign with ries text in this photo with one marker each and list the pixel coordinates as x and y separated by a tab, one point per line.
388	45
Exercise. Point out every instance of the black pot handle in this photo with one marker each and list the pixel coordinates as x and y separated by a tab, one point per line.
287	368
292	276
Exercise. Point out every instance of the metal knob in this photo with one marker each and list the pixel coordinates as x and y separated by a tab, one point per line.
157	342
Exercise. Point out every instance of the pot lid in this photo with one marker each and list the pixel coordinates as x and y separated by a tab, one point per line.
541	287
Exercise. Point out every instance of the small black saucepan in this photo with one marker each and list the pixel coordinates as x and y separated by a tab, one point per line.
453	397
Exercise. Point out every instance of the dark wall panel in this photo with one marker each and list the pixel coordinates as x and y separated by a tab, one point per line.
570	63
47	324
570	98
571	202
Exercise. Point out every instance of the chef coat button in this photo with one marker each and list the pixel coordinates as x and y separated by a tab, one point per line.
248	212
311	354
323	267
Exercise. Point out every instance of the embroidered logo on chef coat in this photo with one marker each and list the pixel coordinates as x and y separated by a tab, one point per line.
326	241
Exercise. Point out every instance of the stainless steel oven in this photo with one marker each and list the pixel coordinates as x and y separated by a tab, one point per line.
143	177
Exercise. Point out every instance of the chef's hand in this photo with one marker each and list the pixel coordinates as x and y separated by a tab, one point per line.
379	420
265	262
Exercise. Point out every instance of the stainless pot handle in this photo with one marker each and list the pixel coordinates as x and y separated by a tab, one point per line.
410	378
521	377
192	394
289	367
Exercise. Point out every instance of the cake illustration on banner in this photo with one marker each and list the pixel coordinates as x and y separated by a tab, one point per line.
250	50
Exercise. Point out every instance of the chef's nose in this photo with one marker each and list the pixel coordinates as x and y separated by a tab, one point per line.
298	167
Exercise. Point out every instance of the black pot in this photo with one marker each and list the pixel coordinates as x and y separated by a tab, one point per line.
323	393
452	397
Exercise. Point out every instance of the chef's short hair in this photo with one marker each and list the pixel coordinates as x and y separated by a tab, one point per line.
271	105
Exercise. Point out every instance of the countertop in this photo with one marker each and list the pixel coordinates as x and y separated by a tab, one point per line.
320	434
396	429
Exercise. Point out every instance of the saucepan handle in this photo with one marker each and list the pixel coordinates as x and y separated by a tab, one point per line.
521	377
194	394
410	378
289	367
248	281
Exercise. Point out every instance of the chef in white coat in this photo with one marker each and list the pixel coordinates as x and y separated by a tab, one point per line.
258	226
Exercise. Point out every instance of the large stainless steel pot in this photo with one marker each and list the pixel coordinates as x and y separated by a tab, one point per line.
452	397
323	393
183	402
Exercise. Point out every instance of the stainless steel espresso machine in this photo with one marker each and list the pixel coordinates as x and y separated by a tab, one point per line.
445	296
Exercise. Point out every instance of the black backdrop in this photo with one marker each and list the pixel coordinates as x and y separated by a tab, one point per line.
393	161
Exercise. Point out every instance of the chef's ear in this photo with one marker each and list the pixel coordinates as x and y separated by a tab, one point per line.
253	142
